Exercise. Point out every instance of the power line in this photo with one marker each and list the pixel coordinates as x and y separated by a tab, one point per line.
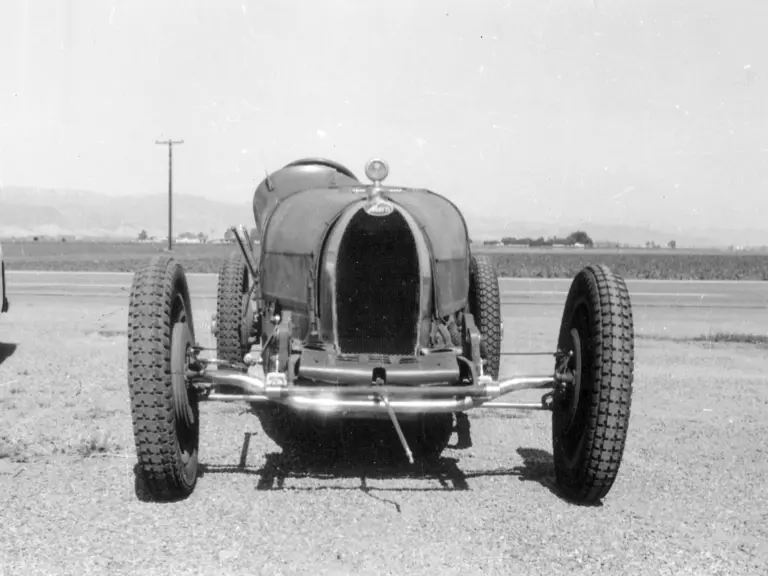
170	144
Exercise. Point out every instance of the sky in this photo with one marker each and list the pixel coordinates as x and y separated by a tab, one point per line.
621	112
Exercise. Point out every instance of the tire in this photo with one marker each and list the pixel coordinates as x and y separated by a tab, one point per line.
234	313
590	418
485	305
164	410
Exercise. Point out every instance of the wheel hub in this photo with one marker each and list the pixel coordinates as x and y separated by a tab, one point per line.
181	342
246	326
570	390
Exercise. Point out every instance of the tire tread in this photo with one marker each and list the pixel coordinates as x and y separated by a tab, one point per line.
149	376
232	274
488	310
611	398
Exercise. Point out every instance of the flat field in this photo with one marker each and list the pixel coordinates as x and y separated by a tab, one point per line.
690	497
511	262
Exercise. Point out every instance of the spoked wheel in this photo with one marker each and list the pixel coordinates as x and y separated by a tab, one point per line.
164	408
590	411
234	310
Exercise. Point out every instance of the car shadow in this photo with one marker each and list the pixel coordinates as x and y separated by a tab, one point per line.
364	451
370	455
539	466
7	350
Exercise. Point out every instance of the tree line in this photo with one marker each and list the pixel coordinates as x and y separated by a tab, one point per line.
578	237
228	236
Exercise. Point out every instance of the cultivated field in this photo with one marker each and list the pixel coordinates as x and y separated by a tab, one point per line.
690	498
512	262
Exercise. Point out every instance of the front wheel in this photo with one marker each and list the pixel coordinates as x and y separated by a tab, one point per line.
164	408
591	413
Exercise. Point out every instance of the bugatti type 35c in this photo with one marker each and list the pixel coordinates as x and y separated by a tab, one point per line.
366	301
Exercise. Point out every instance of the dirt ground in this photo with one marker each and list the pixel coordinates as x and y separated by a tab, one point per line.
690	498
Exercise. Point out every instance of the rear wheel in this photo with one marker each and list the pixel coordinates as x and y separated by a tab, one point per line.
164	408
485	305
590	415
234	311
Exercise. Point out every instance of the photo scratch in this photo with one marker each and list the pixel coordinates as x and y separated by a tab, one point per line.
250	105
626	190
441	94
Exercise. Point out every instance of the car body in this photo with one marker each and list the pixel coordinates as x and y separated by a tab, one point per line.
367	302
377	274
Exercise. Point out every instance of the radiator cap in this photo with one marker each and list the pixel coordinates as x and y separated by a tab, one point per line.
376	170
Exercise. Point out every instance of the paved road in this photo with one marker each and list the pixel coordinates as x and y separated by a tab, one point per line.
535	291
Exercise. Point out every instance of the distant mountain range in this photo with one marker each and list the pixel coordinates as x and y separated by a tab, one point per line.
26	212
33	211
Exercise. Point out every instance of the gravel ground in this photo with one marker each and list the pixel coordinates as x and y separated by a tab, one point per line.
689	498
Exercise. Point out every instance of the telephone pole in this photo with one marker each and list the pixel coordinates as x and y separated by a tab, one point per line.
170	144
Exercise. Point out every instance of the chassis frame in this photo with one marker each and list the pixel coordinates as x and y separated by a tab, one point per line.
221	381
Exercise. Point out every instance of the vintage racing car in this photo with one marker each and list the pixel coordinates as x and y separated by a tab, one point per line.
366	301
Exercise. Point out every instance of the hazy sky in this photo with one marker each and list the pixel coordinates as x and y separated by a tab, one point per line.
632	111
